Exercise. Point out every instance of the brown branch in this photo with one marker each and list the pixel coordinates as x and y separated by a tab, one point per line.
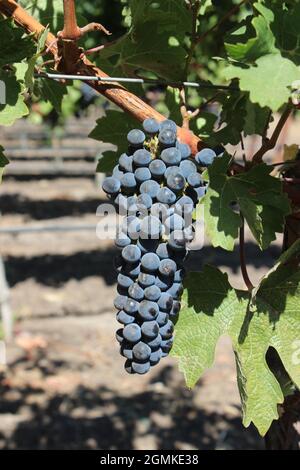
269	144
112	91
222	20
71	29
243	256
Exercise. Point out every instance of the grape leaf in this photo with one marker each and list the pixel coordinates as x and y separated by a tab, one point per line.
3	162
268	81
255	47
270	317
154	42
14	106
112	128
15	45
259	196
52	92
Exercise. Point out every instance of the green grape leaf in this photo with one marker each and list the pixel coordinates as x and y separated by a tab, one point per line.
15	45
268	318
112	128
29	75
12	107
3	162
260	198
268	81
154	42
106	162
255	47
52	92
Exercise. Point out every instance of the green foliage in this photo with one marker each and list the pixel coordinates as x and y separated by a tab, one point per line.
112	128
15	45
270	317
259	196
14	107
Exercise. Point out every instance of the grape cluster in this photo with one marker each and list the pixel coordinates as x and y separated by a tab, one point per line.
155	186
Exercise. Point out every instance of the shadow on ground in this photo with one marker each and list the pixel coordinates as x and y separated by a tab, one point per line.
162	417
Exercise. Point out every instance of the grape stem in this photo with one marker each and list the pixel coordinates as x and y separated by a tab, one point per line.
245	275
270	143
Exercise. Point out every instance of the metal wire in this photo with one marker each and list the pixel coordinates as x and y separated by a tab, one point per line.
58	76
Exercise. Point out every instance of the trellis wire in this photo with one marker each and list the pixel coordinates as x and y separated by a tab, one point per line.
58	76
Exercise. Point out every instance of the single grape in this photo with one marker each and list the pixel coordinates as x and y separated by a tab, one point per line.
201	191
163	251
132	269
157	168
176	182
128	182
171	156
155	357
125	163
131	306
167	138
121	204
141	351
151	227
124	318
165	331
151	126
131	254
124	281
166	345
142	158
117	173
187	167
175	290
162	319
163	282
205	157
150	187
176	240
175	222
189	234
136	138
132	226
144	202
111	185
155	342
132	333
179	275
146	280
152	293
167	267
171	170
195	180
166	196
140	368
160	211
120	302
150	262
168	124
122	240
184	150
136	292
126	350
119	335
165	302
128	367
175	309
148	310
150	329
184	206
142	174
